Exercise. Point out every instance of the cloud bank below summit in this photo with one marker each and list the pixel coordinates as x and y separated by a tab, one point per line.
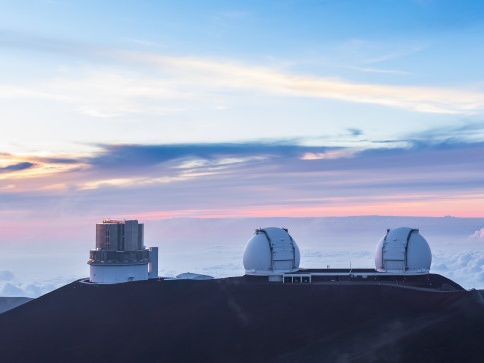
215	247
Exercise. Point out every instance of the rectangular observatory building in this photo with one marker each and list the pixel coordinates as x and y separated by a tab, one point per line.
120	254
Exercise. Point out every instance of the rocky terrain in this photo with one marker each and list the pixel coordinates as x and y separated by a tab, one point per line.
243	320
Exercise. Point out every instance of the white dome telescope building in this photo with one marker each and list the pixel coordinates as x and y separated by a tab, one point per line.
403	250
271	252
120	254
402	256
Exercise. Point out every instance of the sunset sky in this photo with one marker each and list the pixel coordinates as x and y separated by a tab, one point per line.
222	109
161	109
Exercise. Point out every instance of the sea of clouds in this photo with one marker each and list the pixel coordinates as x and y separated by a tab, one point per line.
215	247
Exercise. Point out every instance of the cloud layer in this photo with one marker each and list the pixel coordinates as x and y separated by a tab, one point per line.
403	177
478	235
215	247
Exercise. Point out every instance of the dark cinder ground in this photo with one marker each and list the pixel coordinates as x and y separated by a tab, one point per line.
240	320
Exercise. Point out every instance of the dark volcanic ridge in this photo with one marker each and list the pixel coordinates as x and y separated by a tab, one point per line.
245	320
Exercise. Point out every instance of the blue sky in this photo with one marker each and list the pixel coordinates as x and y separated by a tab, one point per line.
295	54
237	109
158	72
282	108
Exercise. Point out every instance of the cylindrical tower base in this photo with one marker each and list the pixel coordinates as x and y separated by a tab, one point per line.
113	274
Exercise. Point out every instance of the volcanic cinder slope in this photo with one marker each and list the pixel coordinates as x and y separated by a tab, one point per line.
243	320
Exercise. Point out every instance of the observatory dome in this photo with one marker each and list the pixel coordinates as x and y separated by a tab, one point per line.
403	250
271	251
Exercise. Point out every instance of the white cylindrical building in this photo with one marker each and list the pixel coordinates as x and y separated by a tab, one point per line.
153	262
403	250
120	255
117	273
271	252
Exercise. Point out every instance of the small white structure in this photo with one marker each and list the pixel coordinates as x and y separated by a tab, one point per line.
193	276
120	255
403	250
271	252
152	262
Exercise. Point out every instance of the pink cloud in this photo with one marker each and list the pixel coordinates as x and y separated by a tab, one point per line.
478	235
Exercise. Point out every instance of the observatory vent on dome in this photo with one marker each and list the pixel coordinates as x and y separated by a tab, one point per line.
271	252
403	250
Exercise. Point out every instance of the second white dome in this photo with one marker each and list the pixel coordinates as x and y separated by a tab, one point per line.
271	251
403	250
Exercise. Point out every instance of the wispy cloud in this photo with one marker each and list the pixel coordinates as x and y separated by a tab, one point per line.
478	235
235	75
148	155
138	77
355	132
259	178
451	136
6	275
375	70
17	167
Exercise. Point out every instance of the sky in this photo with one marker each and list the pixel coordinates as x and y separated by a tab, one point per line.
235	109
